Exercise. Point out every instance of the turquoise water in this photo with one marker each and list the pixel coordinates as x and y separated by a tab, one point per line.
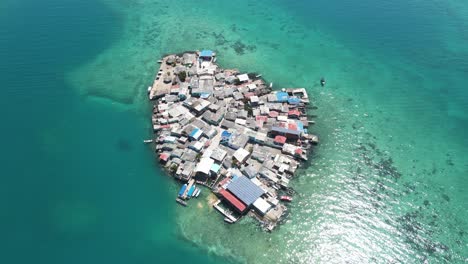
387	183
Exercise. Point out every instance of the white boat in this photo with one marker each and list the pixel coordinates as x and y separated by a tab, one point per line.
147	141
149	89
198	192
160	61
271	85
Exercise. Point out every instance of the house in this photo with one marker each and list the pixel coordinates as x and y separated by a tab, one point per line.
243	77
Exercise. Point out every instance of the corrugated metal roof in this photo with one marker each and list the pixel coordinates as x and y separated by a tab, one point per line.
245	190
233	200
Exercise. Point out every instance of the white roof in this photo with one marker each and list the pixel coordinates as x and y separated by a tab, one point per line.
240	121
256	181
162	107
241	154
261	205
204	165
252	86
243	77
254	99
170	139
282	118
197	146
260	136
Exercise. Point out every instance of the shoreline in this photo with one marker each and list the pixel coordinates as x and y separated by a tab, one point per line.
229	132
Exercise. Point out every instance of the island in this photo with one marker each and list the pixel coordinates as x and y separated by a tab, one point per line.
230	133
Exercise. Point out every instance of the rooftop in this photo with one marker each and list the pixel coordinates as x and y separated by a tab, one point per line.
245	190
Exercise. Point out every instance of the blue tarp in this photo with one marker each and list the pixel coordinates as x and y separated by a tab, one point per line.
282	96
294	100
194	132
206	53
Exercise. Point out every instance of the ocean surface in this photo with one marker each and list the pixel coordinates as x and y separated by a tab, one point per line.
387	184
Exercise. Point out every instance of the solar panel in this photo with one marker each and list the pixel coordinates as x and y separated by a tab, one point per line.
245	190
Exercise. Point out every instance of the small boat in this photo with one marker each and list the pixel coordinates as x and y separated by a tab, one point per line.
160	61
182	190
149	89
322	81
195	192
190	192
182	202
258	76
286	198
228	220
271	85
147	141
198	193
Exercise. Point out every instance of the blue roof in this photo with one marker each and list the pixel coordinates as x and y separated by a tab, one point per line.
206	53
245	190
286	131
294	100
225	134
300	126
215	167
282	96
192	134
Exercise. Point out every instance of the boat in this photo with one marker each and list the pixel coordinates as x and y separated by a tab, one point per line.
228	220
190	191
322	81
198	193
258	76
147	141
271	85
182	190
149	89
286	198
182	202
160	61
195	192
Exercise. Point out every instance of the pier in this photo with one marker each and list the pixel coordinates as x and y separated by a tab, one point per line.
229	132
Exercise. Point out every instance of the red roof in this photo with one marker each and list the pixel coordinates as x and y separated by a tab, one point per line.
273	114
294	112
164	156
280	139
263	118
298	151
248	95
259	123
292	126
233	200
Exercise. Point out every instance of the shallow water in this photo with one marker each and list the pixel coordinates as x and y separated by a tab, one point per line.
386	183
